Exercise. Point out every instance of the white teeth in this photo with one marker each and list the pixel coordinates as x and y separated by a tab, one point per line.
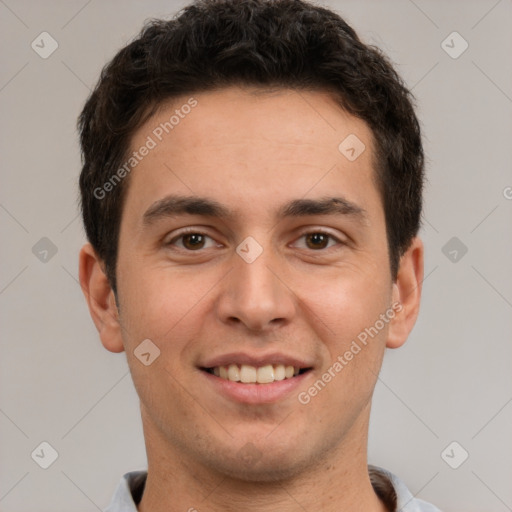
265	374
279	372
233	373
250	374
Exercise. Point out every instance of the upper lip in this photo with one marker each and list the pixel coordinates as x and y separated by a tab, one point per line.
258	360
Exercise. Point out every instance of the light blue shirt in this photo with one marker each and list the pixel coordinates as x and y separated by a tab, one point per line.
129	492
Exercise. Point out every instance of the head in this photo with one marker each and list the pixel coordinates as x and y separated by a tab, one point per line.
197	52
246	231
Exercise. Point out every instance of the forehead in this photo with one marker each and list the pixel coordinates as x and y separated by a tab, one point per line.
252	147
268	116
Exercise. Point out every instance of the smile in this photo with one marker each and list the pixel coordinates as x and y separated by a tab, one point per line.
248	374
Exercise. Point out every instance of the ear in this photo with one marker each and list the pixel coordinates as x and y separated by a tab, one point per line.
100	299
407	293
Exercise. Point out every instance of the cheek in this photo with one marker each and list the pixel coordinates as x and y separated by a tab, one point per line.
166	308
344	304
343	315
155	301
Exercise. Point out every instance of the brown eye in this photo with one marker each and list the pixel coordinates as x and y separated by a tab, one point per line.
193	241
317	240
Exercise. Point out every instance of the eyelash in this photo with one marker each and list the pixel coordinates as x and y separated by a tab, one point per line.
192	231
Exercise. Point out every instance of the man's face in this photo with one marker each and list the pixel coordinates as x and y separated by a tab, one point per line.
191	282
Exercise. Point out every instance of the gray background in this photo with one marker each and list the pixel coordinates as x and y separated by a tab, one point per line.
450	382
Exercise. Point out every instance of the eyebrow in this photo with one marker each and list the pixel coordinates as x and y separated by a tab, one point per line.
173	205
322	206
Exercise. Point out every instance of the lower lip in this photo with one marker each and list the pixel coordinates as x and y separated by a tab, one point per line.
256	393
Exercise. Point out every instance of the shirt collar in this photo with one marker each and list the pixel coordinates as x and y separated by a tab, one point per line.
129	493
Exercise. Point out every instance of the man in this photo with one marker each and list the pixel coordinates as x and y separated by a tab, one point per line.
251	192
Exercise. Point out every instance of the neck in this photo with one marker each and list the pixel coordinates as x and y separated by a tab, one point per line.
337	482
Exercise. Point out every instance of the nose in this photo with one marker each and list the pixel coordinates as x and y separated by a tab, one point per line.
256	294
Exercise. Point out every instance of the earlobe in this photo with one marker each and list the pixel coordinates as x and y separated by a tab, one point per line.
407	293
100	299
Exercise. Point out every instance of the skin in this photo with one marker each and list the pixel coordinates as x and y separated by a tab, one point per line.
254	151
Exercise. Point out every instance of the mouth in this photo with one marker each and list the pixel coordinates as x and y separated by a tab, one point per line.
254	379
248	374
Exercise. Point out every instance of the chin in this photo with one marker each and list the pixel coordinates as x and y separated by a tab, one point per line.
264	470
259	463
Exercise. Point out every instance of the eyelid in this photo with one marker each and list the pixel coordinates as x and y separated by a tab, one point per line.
323	231
303	232
187	231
